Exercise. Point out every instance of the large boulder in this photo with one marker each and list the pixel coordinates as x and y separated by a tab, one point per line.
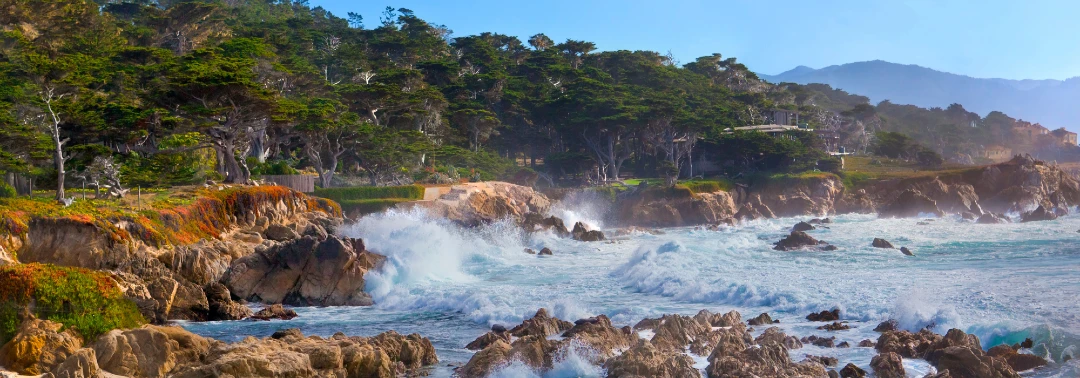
304	272
882	243
1018	361
38	346
906	344
990	218
151	351
274	311
888	365
599	334
221	304
473	204
1039	214
533	222
541	324
968	362
81	364
583	233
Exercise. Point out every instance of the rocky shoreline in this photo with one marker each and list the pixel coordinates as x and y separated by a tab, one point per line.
283	250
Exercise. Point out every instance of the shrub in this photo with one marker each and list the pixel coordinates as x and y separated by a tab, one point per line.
7	191
89	302
343	195
708	186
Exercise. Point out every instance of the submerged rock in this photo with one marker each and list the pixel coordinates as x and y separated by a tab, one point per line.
907	251
989	218
835	326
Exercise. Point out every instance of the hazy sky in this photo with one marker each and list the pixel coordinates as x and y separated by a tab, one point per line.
1025	39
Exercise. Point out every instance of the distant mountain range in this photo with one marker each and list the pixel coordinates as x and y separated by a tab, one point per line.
1053	103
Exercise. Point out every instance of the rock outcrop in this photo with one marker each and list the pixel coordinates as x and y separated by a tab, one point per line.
651	206
473	204
888	365
583	233
304	272
156	351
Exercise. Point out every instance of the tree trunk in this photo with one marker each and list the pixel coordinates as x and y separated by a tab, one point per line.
58	156
234	173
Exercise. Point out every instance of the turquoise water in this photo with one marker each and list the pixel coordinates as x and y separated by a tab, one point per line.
1001	282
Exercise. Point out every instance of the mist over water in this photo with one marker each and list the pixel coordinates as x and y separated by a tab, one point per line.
1003	283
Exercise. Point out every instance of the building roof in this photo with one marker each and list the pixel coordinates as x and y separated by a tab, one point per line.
768	128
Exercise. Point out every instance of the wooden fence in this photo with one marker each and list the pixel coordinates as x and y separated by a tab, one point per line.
300	183
19	182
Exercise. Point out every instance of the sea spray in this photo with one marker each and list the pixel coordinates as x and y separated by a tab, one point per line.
573	359
585	206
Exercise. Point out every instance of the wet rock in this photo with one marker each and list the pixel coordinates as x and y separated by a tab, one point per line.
1017	361
968	362
674	332
882	243
843	344
530	251
800	240
825	316
541	324
545	252
888	365
835	326
280	233
287	334
762	319
1037	215
907	251
824	342
38	346
803	226
1028	343
276	311
582	233
819	221
867	343
967	215
989	218
852	371
222	307
888	325
533	222
645	360
487	360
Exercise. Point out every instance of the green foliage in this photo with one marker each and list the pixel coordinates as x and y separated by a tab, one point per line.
344	195
277	167
487	165
853	180
7	191
708	186
794	151
370	206
88	302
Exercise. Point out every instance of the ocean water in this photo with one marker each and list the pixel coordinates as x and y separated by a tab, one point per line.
1003	283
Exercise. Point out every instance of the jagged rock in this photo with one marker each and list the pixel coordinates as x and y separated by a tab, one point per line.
276	311
1018	361
178	299
825	316
582	233
1028	343
834	326
315	231
280	233
644	360
774	336
541	324
888	325
414	351
907	344
989	218
222	307
81	364
38	346
906	251
485	361
672	207
882	243
545	252
799	240
1039	214
910	203
888	365
673	333
533	222
304	272
487	339
802	226
762	319
852	371
867	343
824	342
479	203
967	215
600	335
968	362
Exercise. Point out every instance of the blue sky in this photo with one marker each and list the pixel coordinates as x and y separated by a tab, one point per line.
1027	39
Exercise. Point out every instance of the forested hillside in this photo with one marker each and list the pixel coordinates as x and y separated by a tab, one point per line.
176	92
